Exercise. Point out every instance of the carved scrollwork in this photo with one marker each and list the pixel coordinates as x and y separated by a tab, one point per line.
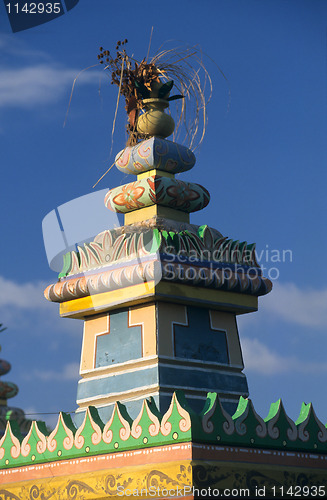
255	479
157	479
6	495
75	487
185	474
208	476
36	493
112	483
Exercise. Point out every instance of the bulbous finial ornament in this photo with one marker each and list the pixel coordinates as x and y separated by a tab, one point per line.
147	84
155	122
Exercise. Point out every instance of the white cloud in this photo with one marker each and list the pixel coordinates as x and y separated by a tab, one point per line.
38	84
68	372
22	295
13	46
24	308
303	306
260	359
39	79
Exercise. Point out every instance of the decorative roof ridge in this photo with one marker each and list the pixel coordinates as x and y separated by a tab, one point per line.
150	428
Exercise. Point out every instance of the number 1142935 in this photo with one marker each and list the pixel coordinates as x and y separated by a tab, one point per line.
34	8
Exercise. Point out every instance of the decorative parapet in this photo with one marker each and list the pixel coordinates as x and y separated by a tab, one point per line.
199	257
308	425
179	424
110	247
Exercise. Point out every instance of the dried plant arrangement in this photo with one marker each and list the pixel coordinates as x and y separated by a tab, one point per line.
149	80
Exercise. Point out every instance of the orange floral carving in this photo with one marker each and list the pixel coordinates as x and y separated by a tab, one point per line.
129	196
182	195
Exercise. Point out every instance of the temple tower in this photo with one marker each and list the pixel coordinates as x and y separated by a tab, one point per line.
159	296
7	391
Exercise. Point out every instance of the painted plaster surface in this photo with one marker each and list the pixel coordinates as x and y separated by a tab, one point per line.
130	352
123	360
120	344
157	190
159	478
113	246
118	261
180	447
117	383
139	323
155	212
155	153
204	381
227	322
198	340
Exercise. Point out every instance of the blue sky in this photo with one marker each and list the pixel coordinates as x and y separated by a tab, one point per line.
263	160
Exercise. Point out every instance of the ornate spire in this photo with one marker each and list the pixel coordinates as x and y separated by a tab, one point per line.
159	295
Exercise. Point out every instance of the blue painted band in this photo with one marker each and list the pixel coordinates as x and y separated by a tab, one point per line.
121	382
214	381
167	376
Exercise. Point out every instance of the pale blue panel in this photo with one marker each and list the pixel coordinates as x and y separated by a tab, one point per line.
123	343
118	383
